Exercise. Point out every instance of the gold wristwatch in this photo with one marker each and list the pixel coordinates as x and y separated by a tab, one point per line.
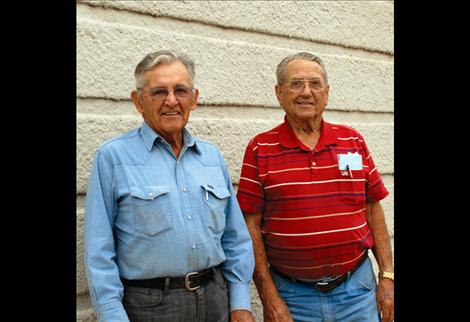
389	275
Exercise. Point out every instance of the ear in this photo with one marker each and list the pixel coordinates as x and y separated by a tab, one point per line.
195	98
136	100
278	89
327	90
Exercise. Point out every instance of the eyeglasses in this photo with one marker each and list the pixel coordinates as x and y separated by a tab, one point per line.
160	93
297	85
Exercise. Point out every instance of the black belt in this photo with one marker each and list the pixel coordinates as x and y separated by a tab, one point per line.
324	286
191	281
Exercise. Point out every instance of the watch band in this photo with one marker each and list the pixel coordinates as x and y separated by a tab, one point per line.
389	275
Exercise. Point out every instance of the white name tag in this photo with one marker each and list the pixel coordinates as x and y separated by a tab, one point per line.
350	161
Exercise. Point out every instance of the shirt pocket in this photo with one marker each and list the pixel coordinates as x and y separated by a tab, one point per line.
215	200
151	209
352	186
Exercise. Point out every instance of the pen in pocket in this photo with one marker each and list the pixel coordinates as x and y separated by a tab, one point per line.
349	169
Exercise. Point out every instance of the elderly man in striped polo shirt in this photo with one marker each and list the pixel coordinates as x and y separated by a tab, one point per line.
310	194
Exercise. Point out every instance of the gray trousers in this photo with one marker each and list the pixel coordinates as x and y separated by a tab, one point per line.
209	303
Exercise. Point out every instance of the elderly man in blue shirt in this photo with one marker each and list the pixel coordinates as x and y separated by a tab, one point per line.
165	239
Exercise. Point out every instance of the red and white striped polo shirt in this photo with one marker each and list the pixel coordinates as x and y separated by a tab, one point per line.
313	214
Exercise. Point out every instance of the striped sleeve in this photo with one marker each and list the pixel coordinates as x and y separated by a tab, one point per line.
375	188
250	192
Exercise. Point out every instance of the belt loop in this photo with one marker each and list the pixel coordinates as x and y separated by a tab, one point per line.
167	285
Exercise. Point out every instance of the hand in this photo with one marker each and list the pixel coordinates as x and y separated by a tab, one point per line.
385	299
277	311
241	316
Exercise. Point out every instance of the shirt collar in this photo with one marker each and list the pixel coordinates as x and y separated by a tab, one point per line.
327	136
189	140
149	136
288	139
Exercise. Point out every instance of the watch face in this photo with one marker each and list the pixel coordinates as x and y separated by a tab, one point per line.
389	275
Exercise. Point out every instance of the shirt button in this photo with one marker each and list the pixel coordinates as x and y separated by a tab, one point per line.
150	194
313	163
189	217
193	246
184	189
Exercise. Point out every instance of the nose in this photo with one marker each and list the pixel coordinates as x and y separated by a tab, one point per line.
306	91
170	99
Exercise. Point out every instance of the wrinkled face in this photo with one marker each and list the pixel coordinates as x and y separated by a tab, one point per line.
167	115
305	103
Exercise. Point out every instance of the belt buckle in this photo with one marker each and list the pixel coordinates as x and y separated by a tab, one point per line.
328	285
186	281
323	283
324	286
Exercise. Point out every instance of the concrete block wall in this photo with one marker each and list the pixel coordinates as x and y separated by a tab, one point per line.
236	46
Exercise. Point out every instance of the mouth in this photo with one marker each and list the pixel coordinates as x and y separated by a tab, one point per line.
171	114
305	103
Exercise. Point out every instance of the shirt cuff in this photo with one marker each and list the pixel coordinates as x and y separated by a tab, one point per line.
240	296
112	312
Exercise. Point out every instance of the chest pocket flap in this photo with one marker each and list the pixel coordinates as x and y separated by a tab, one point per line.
148	192
220	192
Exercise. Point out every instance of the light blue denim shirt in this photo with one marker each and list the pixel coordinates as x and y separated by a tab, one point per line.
150	215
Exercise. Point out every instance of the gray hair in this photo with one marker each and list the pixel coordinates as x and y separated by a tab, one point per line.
281	67
160	57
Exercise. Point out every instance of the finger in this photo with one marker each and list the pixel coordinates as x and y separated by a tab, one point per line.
386	317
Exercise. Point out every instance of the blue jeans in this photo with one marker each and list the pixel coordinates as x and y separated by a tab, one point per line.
209	303
352	301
